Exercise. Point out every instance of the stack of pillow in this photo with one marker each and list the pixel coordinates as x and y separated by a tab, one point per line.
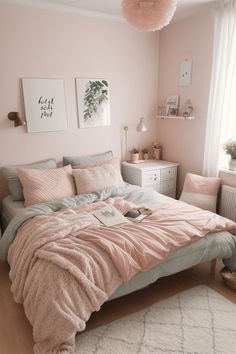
43	181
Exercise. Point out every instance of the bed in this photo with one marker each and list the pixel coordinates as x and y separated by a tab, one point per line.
25	224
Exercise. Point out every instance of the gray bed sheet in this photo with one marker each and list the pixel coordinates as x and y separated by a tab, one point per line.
10	208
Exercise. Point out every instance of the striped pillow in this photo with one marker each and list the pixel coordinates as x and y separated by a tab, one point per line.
201	191
46	185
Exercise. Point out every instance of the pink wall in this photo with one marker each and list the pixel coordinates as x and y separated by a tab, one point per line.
52	44
183	141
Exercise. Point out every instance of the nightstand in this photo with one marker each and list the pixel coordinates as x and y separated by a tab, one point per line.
155	174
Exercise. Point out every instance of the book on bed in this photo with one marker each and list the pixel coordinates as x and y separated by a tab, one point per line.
110	216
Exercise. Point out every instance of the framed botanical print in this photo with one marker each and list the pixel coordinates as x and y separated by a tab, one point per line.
93	102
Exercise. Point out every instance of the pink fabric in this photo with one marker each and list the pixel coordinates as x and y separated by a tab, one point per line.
204	185
97	178
65	265
201	191
115	162
46	185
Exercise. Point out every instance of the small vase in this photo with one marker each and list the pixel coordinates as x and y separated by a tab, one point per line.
157	154
232	164
134	157
145	156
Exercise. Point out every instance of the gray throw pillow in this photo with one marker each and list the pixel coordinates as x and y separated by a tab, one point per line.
14	184
76	160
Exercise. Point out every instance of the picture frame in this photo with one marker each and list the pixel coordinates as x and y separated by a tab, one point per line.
45	106
172	105
93	102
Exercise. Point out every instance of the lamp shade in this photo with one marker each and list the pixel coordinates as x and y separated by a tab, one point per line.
149	15
141	127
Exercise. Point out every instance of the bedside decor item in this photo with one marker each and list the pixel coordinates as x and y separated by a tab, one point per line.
201	191
149	15
156	148
44	105
141	127
14	117
93	102
134	154
172	105
145	152
229	278
230	149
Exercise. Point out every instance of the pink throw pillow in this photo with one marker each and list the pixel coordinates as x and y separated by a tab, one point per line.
46	185
115	162
97	178
201	191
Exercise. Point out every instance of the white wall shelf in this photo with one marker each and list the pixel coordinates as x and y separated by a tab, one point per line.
175	117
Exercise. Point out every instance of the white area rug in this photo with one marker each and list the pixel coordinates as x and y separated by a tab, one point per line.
196	321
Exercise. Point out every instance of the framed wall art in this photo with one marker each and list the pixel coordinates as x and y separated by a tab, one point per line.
93	102
45	107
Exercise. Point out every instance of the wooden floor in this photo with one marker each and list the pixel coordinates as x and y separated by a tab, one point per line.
16	332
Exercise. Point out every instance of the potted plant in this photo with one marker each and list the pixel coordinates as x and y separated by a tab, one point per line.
230	149
145	152
134	153
156	151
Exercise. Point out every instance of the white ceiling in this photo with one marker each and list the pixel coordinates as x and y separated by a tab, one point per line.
113	7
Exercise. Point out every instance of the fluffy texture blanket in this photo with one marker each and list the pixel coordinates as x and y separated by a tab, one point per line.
65	264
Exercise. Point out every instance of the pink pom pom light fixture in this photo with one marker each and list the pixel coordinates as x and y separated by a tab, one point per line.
149	15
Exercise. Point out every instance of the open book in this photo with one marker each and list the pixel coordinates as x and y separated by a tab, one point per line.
110	216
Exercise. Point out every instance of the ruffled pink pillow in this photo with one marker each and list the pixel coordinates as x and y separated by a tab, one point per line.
46	185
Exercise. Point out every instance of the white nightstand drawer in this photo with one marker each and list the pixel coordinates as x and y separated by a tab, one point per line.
150	177
168	188
168	173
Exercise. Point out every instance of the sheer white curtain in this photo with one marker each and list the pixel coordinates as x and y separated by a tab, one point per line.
221	119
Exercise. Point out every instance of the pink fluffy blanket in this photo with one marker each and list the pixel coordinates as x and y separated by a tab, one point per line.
65	265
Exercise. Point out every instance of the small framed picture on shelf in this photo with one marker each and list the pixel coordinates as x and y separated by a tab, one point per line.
187	109
172	105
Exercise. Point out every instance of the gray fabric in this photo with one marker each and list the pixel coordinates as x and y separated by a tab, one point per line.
76	160
13	181
11	207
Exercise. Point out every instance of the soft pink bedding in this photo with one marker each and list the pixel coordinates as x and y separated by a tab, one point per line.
64	265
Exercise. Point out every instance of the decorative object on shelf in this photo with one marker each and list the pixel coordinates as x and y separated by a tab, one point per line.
145	152
172	105
44	104
156	149
93	102
161	111
187	109
134	154
141	127
149	15
185	73
229	278
14	117
230	149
